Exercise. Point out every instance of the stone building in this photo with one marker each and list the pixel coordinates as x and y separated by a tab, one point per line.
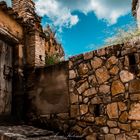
92	96
23	45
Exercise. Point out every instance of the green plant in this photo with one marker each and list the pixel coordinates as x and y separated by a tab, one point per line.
52	59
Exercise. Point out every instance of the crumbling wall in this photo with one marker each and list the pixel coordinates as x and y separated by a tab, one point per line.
104	94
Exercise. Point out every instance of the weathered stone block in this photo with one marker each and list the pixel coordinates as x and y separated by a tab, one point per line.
104	89
102	75
96	100
112	123
73	98
112	110
96	62
90	92
125	127
100	121
121	137
91	137
109	137
134	113
122	106
111	61
83	109
83	69
117	87
135	97
135	125
88	55
123	117
114	130
126	76
134	86
104	130
114	70
83	87
74	111
72	74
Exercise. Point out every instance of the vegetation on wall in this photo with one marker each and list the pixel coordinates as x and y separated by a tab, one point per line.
123	36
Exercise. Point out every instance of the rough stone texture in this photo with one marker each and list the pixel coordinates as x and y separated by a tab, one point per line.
104	89
117	88
102	75
121	137
90	92
134	113
83	109
126	76
134	86
83	87
112	110
96	62
109	137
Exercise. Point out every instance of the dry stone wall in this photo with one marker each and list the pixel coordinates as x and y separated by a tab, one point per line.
104	95
104	90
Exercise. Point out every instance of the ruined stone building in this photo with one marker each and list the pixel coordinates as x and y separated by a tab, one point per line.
91	96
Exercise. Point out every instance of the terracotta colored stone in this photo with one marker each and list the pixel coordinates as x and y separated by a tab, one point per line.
78	129
72	74
126	76
72	84
125	127
92	80
135	97
70	64
134	113
112	110
134	86
89	118
96	62
83	69
135	125
111	61
88	55
121	137
102	75
73	98
109	137
122	106
104	89
123	117
114	130
83	109
91	137
85	100
83	87
104	130
117	88
96	100
90	92
100	121
101	52
112	123
74	111
114	70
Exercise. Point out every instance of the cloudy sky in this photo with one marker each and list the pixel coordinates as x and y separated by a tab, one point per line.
83	25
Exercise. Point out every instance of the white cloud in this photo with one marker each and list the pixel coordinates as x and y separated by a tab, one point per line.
60	11
60	15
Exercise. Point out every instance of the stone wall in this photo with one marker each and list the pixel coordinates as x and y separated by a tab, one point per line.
104	95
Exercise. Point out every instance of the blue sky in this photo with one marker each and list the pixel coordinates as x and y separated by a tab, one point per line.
84	25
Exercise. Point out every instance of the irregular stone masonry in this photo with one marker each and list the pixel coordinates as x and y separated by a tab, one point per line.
104	94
